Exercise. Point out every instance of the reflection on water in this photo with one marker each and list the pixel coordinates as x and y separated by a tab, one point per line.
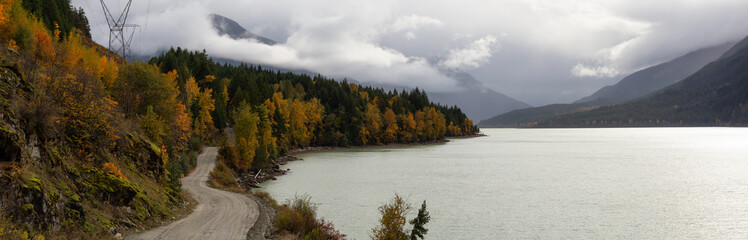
675	183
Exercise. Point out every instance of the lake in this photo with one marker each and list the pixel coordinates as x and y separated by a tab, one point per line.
631	183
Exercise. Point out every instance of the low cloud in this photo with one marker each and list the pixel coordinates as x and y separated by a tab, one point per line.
413	22
472	56
581	70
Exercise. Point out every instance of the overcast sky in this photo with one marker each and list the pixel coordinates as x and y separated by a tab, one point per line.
537	51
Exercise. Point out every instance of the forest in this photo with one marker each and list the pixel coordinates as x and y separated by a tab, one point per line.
94	144
273	111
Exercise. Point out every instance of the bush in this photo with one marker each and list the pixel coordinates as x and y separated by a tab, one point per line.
23	38
297	216
223	177
266	196
196	144
193	159
175	171
392	222
229	154
181	166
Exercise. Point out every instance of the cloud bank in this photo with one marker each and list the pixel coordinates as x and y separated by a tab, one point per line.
539	51
473	56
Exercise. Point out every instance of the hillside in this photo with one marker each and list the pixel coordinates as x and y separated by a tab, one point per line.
634	86
476	100
529	116
226	26
94	146
716	95
649	80
74	166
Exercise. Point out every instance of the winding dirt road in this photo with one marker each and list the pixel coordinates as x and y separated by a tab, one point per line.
218	215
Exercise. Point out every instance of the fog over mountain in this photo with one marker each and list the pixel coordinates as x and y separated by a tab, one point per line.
226	26
539	52
644	82
476	100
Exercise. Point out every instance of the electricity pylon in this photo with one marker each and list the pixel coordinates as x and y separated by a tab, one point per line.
117	41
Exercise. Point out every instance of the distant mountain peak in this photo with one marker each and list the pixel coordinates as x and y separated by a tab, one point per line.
229	27
652	79
475	99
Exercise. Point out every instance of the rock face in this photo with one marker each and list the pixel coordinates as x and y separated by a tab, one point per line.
46	189
21	193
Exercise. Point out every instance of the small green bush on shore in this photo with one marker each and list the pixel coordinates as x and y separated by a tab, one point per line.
298	217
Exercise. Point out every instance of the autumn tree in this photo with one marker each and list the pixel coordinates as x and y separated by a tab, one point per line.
266	143
153	126
408	130
245	133
89	116
372	123
304	118
279	115
390	126
180	127
201	105
392	222
140	85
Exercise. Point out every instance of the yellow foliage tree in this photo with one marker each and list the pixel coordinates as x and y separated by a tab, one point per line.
372	123
390	126
408	129
392	223
203	124
245	134
180	129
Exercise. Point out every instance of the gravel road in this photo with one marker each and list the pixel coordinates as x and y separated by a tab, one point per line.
218	215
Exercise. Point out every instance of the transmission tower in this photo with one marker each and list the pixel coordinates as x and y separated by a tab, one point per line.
117	41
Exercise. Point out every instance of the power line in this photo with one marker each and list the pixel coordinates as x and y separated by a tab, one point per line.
118	42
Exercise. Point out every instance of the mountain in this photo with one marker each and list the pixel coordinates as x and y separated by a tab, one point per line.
716	95
477	101
637	85
649	80
529	116
226	26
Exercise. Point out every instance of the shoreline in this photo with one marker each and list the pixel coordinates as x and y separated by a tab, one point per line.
253	179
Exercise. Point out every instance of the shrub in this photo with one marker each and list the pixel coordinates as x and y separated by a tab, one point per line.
392	222
112	168
229	154
297	216
175	171
196	144
23	38
266	196
223	177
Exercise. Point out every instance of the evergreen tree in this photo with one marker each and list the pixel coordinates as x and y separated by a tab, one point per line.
419	222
